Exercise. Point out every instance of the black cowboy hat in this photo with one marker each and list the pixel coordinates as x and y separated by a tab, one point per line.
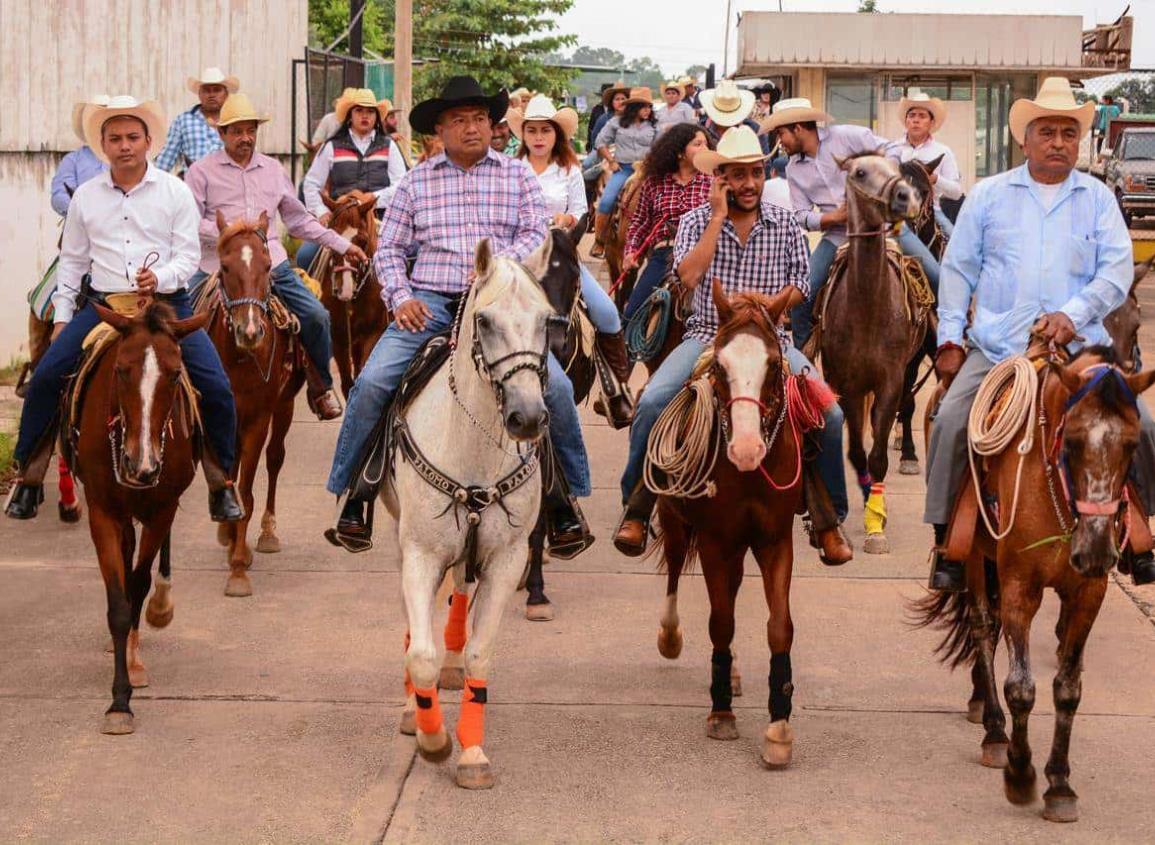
764	88
458	91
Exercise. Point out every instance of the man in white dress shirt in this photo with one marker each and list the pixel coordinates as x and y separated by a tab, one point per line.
922	115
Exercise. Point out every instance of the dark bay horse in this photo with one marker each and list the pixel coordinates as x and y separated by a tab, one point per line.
1072	510
266	369
135	455
1123	323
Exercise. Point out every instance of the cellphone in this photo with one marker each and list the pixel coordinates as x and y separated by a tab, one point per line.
731	199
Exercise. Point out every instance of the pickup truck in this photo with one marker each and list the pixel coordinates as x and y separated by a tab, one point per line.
1130	172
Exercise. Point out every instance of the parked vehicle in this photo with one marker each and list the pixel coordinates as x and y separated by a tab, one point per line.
1130	172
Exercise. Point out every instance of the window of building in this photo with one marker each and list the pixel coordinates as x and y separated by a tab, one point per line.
897	86
851	99
995	149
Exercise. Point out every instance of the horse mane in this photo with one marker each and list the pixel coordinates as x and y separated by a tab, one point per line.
750	310
157	318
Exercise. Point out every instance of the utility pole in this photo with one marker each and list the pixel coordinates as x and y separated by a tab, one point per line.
403	64
726	44
356	30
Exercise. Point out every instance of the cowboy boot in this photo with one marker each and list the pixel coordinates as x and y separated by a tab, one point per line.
223	503
1143	569
946	576
634	529
616	405
354	531
323	401
567	530
823	525
601	223
28	489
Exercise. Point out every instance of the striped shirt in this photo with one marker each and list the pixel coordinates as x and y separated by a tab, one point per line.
445	212
664	198
773	258
190	137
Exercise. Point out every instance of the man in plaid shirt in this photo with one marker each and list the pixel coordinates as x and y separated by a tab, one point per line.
749	246
193	134
445	206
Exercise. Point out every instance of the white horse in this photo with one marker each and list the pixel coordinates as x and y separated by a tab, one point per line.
466	459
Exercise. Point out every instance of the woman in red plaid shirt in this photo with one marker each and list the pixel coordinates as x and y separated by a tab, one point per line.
672	188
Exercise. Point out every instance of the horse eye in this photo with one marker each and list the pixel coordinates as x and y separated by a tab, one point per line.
483	321
860	173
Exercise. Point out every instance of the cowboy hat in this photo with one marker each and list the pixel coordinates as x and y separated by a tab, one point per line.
458	91
727	104
78	113
641	95
738	146
764	88
688	80
918	99
237	109
1055	99
213	76
793	110
618	87
363	97
386	107
520	94
540	108
123	105
674	85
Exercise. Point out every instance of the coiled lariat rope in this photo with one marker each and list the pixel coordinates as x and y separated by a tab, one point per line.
647	328
684	444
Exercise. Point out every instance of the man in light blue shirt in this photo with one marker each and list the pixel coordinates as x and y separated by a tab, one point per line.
1039	248
78	166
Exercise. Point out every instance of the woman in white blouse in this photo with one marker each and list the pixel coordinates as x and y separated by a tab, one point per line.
545	132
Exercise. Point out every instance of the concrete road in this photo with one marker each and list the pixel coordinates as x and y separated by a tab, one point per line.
274	718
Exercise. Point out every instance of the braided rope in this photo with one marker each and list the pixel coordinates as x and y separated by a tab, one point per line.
684	444
642	343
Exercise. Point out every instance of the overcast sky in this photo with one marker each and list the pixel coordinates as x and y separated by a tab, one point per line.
680	33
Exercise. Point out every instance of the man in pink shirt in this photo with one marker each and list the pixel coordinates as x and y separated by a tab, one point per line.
240	183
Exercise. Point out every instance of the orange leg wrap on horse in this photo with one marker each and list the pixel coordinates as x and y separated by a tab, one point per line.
471	722
428	710
67	485
455	627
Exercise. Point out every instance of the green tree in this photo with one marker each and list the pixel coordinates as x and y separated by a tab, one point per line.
696	71
868	6
1140	93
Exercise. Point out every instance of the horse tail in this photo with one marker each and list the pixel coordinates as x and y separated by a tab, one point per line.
949	613
675	542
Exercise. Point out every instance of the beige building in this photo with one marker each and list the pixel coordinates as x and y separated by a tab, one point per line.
857	67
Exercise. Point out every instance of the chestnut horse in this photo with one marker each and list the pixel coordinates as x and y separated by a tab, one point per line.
752	510
266	370
1072	507
136	456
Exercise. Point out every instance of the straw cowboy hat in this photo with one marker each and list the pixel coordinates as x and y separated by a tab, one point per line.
1055	99
458	91
541	108
78	113
918	99
640	95
688	80
793	110
363	97
727	104
237	109
386	107
619	87
738	146
674	85
124	105
213	76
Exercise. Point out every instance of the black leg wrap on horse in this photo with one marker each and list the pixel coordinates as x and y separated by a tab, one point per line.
720	690
816	498
781	686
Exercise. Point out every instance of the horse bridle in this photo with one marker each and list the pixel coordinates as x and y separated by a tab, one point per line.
116	424
882	199
262	304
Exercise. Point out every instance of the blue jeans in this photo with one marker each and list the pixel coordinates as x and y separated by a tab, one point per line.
314	317
603	313
374	388
943	221
614	187
306	252
912	246
666	383
200	360
651	276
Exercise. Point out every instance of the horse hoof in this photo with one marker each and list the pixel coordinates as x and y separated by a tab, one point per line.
1061	808
434	747
539	612
69	514
1020	788
159	610
117	724
670	642
721	726
138	677
238	585
975	712
908	467
778	745
473	769
451	677
223	534
876	544
268	544
995	755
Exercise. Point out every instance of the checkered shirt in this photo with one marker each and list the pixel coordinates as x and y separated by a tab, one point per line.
773	258
190	137
445	212
667	198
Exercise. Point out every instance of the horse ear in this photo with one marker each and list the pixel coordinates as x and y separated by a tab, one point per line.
369	203
881	151
118	321
780	302
721	302
330	203
932	165
841	162
578	231
1072	379
263	222
538	260
1140	381
222	224
483	259
183	328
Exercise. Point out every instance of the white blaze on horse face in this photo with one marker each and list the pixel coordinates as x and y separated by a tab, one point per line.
745	360
346	293
247	256
1099	476
149	378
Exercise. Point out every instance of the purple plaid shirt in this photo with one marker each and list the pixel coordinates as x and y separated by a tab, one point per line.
445	211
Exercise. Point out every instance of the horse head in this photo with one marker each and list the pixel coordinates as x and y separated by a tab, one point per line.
748	371
917	173
557	267
878	192
353	217
506	326
246	280
148	368
1100	432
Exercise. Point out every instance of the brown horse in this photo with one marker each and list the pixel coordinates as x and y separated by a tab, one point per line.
867	335
752	510
1065	535
135	454
616	232
1123	322
358	315
265	367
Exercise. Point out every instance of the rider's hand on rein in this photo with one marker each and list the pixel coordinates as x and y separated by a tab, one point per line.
948	360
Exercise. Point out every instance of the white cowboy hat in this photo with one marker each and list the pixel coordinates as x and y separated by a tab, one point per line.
213	76
918	99
793	110
78	113
726	104
124	105
738	146
541	108
1055	99
237	109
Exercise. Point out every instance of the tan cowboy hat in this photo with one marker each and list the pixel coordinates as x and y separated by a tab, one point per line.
738	146
793	110
237	109
541	108
727	104
363	97
386	107
918	99
640	95
608	95
344	93
676	86
213	76
688	80
78	113
520	93
124	105
1055	99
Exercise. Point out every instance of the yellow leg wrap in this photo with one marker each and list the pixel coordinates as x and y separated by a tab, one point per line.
875	516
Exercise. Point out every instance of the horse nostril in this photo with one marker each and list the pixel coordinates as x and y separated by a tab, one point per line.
515	421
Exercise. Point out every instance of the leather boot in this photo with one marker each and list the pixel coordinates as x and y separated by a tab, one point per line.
633	532
834	547
567	530
24	501
1143	569
601	223
322	400
353	532
946	576
223	503
618	409
28	489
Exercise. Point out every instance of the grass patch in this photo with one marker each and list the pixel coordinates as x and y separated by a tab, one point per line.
10	373
7	468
